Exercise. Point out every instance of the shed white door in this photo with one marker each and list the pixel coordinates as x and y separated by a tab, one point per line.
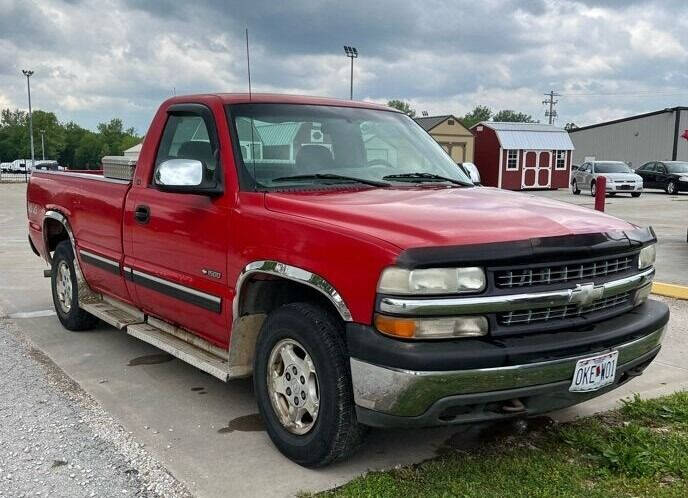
537	169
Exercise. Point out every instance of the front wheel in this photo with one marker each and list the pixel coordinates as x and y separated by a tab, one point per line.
593	189
66	290
635	194
574	188
671	188
302	382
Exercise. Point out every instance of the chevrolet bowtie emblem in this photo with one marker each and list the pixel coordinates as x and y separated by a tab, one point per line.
585	294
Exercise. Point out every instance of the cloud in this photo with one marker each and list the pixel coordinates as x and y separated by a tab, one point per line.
96	60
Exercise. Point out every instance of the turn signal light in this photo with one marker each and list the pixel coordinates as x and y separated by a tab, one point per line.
432	328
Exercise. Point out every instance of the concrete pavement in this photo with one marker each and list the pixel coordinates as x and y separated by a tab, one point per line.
204	431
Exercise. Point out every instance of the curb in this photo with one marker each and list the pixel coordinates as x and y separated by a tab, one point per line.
670	290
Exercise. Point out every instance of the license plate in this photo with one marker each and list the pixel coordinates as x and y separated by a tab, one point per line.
625	187
594	373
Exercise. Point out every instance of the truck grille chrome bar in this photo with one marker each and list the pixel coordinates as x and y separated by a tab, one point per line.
448	306
524	317
527	277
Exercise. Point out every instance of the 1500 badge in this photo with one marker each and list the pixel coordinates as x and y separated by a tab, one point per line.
211	273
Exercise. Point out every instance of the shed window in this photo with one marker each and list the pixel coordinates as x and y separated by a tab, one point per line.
561	159
450	122
512	159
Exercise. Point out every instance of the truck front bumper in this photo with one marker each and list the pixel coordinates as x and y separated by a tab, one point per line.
403	384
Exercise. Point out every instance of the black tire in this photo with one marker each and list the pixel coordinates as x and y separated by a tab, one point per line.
73	318
671	188
635	194
336	433
612	194
593	189
574	188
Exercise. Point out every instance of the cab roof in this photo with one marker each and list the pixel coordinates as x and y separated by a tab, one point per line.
276	98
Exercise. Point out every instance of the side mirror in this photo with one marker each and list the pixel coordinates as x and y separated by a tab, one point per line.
179	173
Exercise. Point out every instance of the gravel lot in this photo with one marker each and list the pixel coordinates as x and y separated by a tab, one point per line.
57	441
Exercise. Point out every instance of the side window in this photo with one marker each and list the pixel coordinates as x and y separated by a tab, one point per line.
512	159
186	137
660	168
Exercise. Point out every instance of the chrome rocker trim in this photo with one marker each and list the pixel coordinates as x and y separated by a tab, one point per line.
410	393
581	295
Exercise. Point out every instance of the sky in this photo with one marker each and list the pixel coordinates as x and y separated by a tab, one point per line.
95	60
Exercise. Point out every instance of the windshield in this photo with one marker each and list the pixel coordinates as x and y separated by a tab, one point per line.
288	145
677	167
611	167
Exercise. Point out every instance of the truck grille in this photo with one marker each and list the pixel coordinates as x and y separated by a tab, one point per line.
527	277
525	317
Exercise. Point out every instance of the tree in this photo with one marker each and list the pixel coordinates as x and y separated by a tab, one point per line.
510	116
404	107
570	126
478	114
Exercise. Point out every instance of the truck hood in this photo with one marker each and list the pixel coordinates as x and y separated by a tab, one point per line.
430	216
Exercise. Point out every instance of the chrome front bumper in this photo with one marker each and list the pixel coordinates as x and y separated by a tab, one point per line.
406	393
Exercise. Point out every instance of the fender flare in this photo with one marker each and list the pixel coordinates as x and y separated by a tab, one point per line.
295	274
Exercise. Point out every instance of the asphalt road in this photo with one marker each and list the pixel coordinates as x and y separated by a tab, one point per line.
204	432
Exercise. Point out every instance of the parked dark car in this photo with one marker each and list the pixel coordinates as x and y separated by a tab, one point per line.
670	176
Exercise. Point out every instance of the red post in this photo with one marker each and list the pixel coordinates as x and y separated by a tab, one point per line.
601	192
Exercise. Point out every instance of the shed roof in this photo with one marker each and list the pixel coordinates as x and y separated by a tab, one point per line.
429	122
278	133
533	136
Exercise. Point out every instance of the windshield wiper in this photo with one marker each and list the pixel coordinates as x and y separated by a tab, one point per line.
331	176
426	177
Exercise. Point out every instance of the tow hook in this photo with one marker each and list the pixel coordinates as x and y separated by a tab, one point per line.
514	406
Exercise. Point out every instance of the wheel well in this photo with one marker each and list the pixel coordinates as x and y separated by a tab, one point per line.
54	233
261	294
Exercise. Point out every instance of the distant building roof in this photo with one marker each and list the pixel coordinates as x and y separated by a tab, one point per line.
278	134
630	118
534	136
429	122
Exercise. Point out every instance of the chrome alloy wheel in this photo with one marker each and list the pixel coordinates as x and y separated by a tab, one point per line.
293	386
63	285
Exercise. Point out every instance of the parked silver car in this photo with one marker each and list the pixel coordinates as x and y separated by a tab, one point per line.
620	178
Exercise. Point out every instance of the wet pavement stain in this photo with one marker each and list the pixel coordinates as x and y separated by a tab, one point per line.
198	388
246	423
151	359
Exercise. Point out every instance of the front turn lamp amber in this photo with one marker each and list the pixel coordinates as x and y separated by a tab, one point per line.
432	328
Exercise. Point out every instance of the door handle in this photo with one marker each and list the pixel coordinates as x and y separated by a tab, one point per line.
142	214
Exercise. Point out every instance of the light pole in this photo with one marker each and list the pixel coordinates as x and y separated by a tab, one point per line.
43	143
28	74
352	53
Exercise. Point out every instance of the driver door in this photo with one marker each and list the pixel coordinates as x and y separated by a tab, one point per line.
178	253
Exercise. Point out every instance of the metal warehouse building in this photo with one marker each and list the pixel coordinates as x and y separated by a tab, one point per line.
655	136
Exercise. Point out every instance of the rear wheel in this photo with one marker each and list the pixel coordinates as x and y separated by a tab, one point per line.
66	290
671	188
302	382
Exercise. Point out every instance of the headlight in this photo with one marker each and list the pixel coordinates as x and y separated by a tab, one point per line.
432	328
647	257
683	178
431	281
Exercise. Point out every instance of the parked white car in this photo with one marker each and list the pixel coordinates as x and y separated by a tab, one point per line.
620	178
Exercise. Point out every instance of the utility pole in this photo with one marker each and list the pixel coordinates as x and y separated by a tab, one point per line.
352	53
28	74
43	143
551	114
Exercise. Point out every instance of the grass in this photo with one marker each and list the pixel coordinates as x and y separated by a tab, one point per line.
639	450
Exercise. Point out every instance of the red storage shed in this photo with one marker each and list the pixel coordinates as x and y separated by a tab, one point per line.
519	156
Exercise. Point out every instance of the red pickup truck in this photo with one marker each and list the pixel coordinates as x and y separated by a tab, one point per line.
333	251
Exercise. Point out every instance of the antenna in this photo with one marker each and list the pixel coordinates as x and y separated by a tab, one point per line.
248	66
